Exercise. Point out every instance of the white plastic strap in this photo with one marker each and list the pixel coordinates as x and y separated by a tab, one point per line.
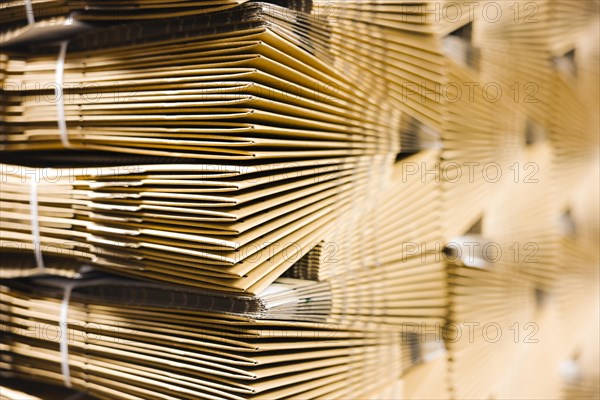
35	223
59	93
64	337
29	12
67	285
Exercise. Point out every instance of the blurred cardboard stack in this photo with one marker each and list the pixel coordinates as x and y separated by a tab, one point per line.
216	199
536	54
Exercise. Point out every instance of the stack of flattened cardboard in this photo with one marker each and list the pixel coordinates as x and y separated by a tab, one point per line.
43	20
233	199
